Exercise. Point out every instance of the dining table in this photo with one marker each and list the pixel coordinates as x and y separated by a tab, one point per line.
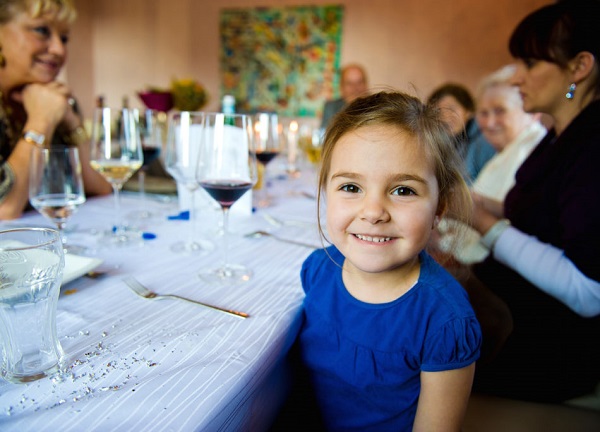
132	363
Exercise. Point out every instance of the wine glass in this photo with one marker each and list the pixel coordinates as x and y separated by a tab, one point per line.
226	170
181	158
311	142
116	154
56	187
267	146
151	131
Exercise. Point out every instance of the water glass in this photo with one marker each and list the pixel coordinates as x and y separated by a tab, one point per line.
31	267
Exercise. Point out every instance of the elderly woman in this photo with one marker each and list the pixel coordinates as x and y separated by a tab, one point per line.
542	279
35	109
510	130
514	134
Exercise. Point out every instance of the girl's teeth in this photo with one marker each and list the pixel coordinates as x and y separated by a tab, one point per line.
373	239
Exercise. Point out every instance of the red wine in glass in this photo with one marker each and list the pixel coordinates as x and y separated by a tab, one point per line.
265	157
226	192
226	170
150	154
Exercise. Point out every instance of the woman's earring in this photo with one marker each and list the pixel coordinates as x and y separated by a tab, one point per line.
571	91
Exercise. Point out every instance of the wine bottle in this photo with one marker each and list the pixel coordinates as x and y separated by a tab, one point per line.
228	107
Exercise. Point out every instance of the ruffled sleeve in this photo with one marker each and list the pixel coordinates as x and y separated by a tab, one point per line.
455	345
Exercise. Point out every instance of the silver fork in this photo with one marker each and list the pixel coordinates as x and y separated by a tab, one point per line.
142	291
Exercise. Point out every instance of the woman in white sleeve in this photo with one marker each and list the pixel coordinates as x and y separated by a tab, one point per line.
545	241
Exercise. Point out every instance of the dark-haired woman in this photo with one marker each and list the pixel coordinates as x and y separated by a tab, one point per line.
546	245
457	108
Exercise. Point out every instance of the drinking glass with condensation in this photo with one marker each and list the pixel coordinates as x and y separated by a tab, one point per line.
31	267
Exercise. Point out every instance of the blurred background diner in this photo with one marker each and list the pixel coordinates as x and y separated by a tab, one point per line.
36	108
353	83
457	108
511	131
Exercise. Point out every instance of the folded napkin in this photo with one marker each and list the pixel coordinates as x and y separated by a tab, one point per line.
76	266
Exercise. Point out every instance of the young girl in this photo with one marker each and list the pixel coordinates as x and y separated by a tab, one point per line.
389	337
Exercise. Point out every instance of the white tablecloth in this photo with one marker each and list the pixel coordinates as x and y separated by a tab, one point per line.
137	364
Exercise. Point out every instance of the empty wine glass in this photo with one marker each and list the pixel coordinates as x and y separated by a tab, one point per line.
56	187
152	133
116	154
267	146
226	170
183	143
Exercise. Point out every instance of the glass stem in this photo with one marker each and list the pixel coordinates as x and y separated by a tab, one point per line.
193	243
61	230
118	223
142	187
266	185
225	237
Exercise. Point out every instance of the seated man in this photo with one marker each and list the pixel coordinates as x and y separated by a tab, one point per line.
353	83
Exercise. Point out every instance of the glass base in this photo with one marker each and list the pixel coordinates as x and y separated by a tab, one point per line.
120	238
197	247
73	249
26	378
230	273
263	202
144	214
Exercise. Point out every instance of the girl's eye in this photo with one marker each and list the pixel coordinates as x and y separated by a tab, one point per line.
64	39
530	62
403	191
350	188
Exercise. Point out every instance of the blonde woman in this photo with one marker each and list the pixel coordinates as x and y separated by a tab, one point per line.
36	109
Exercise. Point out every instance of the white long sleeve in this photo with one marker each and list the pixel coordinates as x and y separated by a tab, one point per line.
547	267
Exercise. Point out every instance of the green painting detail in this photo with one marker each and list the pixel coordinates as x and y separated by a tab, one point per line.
284	60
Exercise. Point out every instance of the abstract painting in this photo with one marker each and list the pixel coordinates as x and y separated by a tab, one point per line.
283	60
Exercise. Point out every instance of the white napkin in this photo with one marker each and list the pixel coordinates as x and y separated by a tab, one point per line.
76	266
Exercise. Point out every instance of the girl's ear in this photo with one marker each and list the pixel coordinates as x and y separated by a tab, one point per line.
439	214
442	208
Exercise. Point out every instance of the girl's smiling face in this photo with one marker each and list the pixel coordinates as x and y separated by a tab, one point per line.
382	200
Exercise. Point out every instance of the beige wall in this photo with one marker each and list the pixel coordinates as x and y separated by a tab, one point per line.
120	46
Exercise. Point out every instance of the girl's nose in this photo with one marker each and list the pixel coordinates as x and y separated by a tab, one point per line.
374	210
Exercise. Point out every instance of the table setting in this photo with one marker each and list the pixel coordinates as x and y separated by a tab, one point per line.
134	361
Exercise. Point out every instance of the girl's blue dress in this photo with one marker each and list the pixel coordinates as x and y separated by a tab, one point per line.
365	359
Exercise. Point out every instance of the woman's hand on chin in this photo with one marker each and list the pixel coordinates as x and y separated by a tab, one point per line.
47	105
